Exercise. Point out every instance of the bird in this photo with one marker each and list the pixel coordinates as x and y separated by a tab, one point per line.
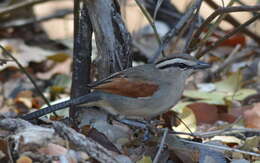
144	91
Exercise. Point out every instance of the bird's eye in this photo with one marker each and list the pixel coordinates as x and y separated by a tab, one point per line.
182	65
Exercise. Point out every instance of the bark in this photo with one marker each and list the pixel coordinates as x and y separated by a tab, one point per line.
81	57
112	39
113	43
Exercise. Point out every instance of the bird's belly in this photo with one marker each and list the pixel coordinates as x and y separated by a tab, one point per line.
142	107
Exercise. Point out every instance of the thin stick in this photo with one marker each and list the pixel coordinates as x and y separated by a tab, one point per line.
225	132
157	7
184	124
182	133
247	53
151	22
212	28
221	147
214	15
233	57
20	5
175	30
164	11
156	159
238	29
86	144
26	73
15	23
192	28
229	18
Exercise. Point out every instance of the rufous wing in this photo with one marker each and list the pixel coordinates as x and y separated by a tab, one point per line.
127	87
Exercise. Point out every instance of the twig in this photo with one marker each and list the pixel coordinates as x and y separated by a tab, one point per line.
174	15
4	61
20	5
169	35
184	124
227	61
127	61
19	23
214	15
234	22
212	28
86	144
174	44
182	133
236	30
221	147
244	4
151	22
26	73
156	159
226	131
157	7
192	28
13	124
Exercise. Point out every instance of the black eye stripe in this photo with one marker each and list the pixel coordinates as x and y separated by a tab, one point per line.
180	65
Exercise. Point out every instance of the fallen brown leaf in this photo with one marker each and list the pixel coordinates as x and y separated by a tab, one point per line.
252	117
205	113
53	150
24	159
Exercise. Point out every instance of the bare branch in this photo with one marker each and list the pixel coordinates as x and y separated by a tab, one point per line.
86	144
81	56
156	159
236	30
214	15
234	22
212	146
167	38
20	5
6	52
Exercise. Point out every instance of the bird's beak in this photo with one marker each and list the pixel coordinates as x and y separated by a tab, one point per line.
201	65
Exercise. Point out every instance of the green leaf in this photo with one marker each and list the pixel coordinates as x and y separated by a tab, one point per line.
145	159
231	84
210	97
242	94
180	106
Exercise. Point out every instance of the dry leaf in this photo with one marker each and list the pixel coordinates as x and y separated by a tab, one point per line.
5	151
59	68
24	159
251	143
24	53
188	117
252	117
53	150
228	140
205	113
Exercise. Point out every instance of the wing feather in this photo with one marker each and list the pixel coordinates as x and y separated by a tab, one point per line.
125	87
130	83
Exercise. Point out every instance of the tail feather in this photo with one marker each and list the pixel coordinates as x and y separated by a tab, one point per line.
75	101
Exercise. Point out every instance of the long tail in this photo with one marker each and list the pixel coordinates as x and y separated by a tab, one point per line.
94	96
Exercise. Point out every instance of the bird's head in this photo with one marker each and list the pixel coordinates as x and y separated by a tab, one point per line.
180	64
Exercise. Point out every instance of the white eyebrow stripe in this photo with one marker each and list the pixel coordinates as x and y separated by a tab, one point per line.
172	61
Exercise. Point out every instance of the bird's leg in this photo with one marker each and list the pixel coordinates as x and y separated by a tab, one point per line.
145	125
134	123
